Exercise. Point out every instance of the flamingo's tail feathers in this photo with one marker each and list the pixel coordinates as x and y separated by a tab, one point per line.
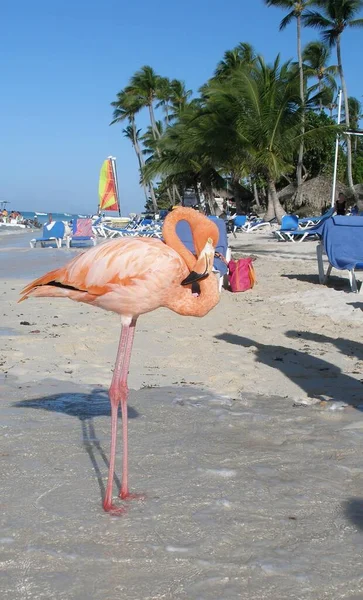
40	287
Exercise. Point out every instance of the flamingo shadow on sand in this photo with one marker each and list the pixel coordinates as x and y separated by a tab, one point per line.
86	406
353	509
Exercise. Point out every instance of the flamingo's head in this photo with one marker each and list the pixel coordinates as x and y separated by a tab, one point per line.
204	265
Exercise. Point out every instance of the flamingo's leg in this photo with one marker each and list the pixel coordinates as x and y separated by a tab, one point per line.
118	393
124	491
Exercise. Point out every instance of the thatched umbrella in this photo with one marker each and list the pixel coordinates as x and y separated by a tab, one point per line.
359	190
314	197
242	196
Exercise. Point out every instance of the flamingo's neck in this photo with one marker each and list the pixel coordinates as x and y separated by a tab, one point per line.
171	237
182	300
185	303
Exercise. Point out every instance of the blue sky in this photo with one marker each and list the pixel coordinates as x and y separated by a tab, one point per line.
63	61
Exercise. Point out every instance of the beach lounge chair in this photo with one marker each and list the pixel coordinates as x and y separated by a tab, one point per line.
297	234
342	242
309	222
82	232
239	222
52	232
184	233
247	225
255	224
289	225
97	227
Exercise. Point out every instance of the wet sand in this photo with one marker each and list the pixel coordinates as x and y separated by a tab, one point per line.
246	435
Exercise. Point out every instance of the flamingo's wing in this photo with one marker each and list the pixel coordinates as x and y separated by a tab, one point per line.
123	262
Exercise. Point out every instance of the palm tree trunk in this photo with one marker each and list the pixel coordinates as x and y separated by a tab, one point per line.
167	120
321	100
141	161
175	188
299	168
270	213
210	200
197	195
347	120
156	132
274	208
157	136
255	193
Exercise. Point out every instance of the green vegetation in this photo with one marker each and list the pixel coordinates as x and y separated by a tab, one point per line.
253	123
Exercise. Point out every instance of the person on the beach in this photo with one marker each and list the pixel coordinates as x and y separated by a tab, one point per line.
50	223
340	205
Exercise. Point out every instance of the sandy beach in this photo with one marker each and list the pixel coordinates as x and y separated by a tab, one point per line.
245	431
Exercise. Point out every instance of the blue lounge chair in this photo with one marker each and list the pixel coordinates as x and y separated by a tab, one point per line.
342	242
289	224
82	232
308	222
52	232
184	233
255	224
248	225
295	233
239	222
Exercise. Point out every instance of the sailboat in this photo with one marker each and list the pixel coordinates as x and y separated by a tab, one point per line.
108	193
108	187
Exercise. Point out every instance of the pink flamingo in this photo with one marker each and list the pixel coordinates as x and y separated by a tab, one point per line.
133	276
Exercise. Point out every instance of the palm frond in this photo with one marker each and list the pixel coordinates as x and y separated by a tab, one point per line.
356	23
287	20
313	18
280	3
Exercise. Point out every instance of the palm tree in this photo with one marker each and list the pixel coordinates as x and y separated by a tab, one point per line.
131	133
355	114
243	54
125	109
296	10
329	99
150	144
316	57
271	124
164	94
179	97
249	122
183	159
143	86
335	17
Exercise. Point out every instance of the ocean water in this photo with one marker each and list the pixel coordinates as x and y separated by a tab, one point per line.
43	218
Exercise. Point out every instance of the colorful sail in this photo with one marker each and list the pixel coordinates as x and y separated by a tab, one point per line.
107	188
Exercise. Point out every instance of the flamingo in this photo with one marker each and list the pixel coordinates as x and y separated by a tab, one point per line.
133	276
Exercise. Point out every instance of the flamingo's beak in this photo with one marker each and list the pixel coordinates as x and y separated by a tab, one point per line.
203	266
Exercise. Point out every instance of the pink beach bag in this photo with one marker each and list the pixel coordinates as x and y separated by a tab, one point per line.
241	275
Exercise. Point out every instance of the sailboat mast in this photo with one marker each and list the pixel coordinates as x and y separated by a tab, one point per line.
114	170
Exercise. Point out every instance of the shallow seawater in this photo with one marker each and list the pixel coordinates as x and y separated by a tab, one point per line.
8	332
247	497
19	261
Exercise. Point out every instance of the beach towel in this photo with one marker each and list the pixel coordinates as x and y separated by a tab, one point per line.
343	241
83	228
